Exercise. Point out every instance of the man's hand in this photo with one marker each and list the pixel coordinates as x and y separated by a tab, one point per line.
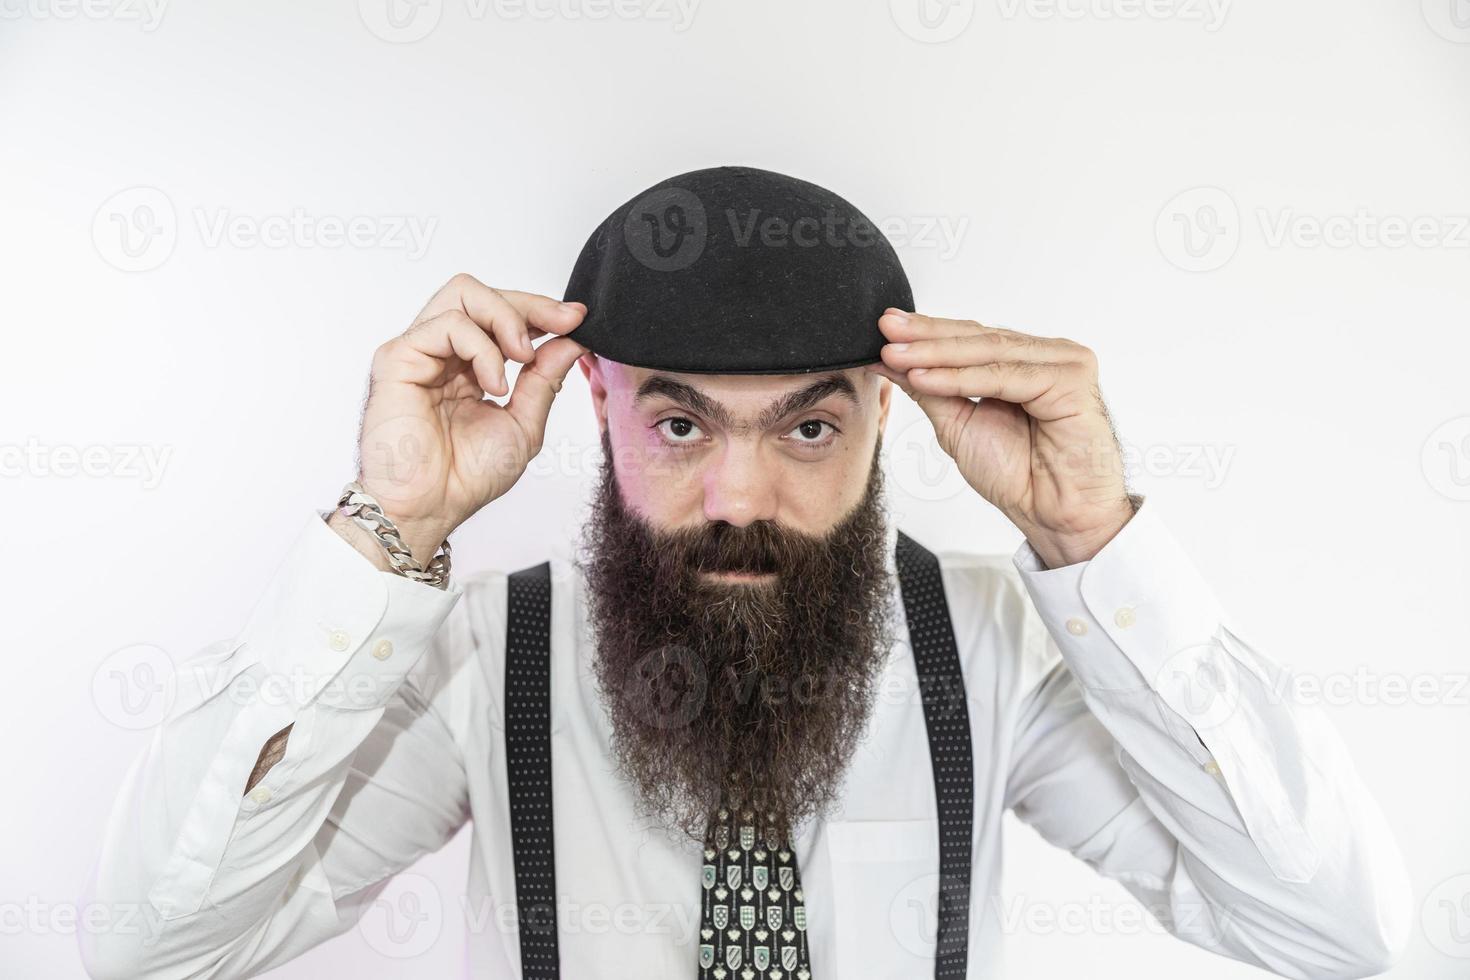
1038	445
432	450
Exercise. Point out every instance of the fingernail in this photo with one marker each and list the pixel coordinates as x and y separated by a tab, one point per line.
573	307
897	313
913	371
898	347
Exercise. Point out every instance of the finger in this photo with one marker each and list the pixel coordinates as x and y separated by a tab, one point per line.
508	315
899	326
488	309
538	383
547	314
1041	388
977	348
420	355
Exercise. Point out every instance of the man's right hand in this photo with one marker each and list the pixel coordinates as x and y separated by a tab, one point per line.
432	450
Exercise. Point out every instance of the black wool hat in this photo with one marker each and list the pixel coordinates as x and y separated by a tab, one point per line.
734	270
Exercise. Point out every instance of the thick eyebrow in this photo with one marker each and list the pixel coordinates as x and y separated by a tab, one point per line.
699	403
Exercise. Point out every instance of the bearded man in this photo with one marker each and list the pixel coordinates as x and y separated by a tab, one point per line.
754	731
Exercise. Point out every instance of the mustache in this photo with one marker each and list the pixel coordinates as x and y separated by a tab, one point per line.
759	548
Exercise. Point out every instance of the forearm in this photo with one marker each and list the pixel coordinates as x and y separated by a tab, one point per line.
215	830
1250	818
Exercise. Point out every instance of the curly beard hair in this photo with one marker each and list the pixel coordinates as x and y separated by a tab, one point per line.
746	694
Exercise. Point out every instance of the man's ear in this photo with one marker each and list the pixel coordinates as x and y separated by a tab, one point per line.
592	370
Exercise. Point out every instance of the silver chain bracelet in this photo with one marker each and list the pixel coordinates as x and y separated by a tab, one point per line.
359	505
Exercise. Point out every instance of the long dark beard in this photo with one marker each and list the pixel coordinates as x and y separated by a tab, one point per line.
746	694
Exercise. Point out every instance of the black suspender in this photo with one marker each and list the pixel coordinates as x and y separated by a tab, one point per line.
947	719
528	766
528	756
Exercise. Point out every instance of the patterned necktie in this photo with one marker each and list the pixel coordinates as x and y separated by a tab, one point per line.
754	923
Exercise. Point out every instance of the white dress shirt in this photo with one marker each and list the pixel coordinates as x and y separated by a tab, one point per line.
1113	706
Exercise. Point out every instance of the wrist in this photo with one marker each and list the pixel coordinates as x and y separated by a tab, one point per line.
1058	549
422	540
360	539
407	547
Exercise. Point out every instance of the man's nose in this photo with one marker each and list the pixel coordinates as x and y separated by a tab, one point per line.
738	489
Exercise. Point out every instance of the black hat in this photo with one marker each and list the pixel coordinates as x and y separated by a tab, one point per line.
734	270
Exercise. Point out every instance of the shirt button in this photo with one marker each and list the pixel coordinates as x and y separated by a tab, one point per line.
337	640
1124	617
1212	767
383	650
260	794
1076	627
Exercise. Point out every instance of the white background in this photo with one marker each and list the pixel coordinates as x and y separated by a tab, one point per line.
1145	178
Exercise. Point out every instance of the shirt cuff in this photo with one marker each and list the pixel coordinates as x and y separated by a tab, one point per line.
1140	592
334	629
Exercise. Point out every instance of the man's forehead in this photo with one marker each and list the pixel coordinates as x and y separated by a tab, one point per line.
743	396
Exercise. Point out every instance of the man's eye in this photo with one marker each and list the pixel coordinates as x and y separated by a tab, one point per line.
812	430
678	430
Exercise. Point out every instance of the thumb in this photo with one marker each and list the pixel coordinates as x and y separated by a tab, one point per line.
538	383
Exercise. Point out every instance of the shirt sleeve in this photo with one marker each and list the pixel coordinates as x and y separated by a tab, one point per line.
227	883
1233	813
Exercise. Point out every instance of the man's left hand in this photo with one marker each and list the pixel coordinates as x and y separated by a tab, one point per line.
1039	444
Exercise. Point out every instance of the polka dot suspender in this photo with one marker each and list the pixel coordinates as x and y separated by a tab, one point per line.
942	689
528	765
528	757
